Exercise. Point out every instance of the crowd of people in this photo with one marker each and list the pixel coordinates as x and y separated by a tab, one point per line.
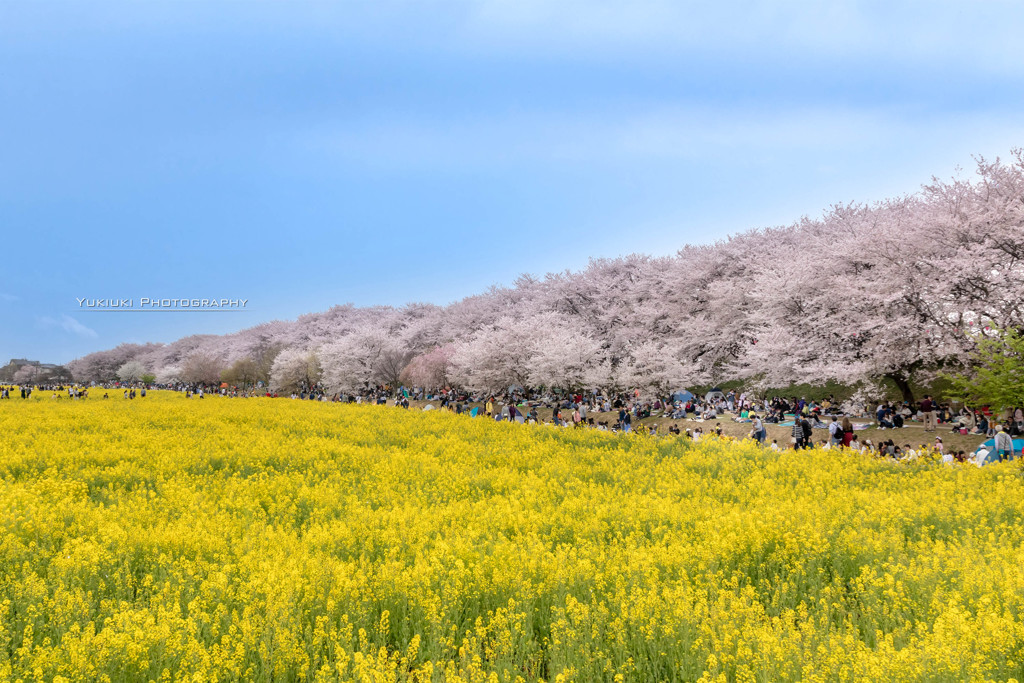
979	422
623	412
72	391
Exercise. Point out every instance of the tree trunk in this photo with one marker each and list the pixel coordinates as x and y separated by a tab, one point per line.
904	386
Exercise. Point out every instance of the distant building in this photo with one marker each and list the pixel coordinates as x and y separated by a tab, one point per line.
44	370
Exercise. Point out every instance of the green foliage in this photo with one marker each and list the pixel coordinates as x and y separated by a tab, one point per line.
938	388
996	377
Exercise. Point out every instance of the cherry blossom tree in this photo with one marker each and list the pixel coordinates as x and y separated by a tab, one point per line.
102	366
431	369
366	357
979	256
495	357
201	367
170	374
26	374
295	370
898	290
132	371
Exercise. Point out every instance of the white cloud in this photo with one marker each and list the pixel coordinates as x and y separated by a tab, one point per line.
68	324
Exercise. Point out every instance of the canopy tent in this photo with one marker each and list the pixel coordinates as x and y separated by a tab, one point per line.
986	452
682	395
714	395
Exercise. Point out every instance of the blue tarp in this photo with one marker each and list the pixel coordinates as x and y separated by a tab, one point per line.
992	456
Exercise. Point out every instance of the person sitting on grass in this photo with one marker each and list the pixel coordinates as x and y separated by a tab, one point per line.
981	427
881	416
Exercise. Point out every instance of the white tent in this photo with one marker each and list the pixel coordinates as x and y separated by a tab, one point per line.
714	395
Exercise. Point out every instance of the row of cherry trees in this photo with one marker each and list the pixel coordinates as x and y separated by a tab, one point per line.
896	290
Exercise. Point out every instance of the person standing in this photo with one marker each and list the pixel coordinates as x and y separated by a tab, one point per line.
798	433
848	434
835	432
757	431
1004	445
928	413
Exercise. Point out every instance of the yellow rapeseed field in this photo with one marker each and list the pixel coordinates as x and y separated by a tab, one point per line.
268	539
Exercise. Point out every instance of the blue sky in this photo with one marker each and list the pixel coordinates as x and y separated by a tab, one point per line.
303	154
